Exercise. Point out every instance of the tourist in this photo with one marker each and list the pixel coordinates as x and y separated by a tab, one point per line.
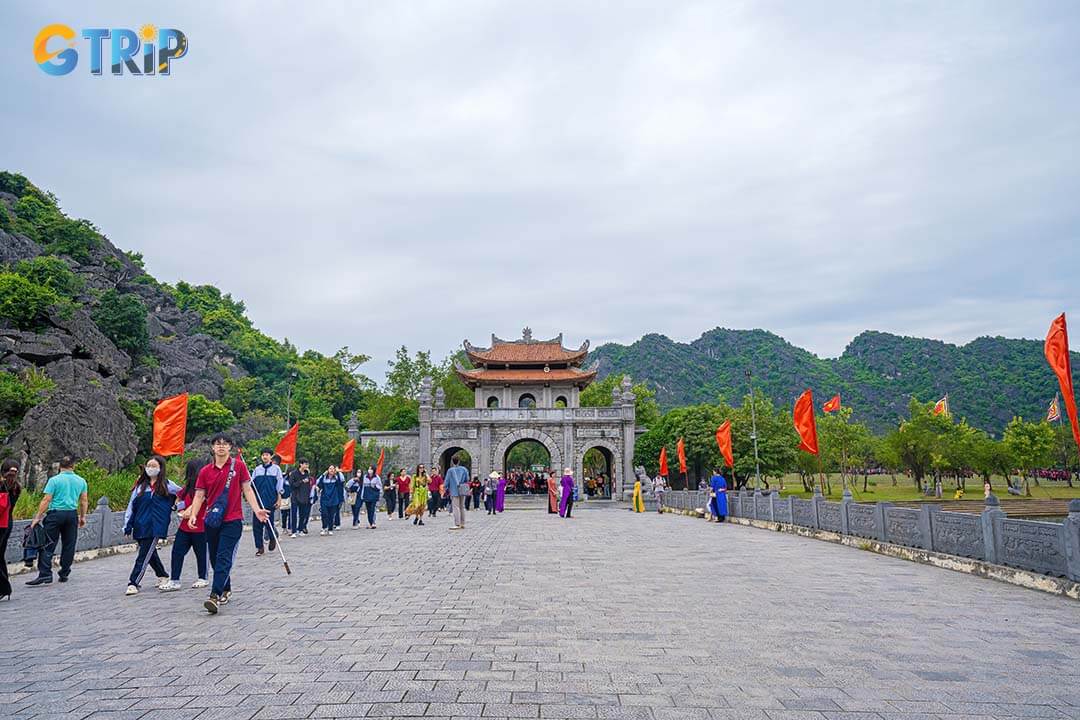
61	513
352	497
404	496
269	485
457	487
331	489
476	489
491	488
284	502
369	494
190	534
659	487
435	492
717	496
637	498
419	490
10	489
566	504
553	493
500	494
147	519
223	476
390	495
299	498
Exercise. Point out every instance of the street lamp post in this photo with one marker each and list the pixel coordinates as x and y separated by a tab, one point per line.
753	433
288	400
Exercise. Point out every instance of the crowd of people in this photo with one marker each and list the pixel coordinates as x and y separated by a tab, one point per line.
209	501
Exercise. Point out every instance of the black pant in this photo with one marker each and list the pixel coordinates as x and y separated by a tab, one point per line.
402	503
184	541
433	504
5	583
569	506
475	500
148	555
390	496
299	516
60	526
222	543
489	504
356	512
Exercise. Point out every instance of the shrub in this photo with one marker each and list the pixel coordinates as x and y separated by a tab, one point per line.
207	416
122	317
75	238
16	398
23	303
53	273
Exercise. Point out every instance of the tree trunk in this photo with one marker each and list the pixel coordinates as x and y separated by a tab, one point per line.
865	479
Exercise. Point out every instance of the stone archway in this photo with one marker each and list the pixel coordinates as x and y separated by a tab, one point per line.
470	447
499	452
616	463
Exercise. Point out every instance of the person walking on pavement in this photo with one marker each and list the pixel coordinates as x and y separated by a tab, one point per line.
457	487
269	484
62	512
299	498
190	535
147	519
369	495
10	489
404	489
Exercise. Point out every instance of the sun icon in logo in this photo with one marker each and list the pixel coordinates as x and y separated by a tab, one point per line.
148	33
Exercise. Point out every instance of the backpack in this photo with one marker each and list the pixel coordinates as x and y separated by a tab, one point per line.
5	509
216	514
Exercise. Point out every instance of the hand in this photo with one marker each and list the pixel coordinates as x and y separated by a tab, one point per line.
35	522
82	521
277	504
262	514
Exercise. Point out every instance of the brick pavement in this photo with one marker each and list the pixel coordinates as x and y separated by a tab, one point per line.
610	615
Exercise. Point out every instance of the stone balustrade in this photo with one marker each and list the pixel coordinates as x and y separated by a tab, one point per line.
1043	547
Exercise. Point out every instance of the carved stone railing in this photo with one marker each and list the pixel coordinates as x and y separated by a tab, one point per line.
1043	547
496	415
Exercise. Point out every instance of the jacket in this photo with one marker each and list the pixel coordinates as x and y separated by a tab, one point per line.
268	483
148	515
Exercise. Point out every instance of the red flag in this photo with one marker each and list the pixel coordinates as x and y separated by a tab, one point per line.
347	457
286	447
378	466
723	439
170	425
663	461
680	448
941	407
832	405
1057	355
804	422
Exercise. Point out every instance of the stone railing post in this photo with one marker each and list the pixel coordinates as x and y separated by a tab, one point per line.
927	523
1072	540
881	510
816	501
104	532
753	500
990	517
845	502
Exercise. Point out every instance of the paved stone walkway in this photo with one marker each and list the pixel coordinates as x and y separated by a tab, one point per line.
609	615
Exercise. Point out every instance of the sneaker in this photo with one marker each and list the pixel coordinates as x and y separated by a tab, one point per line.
304	533
211	604
163	582
63	578
330	533
259	552
169	586
293	535
225	597
132	590
421	522
322	532
200	583
273	545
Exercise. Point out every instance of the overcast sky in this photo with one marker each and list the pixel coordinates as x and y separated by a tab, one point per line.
376	174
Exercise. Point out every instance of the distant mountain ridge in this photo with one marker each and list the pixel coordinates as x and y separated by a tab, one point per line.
988	380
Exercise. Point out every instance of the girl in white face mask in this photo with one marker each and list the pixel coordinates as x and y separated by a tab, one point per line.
147	520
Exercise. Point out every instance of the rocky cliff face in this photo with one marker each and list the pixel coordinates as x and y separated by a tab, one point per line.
98	386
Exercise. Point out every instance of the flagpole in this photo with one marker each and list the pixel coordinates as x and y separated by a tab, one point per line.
753	433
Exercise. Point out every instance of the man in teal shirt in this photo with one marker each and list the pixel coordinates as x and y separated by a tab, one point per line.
62	512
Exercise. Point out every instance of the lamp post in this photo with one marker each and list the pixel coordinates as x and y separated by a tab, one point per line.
753	432
288	400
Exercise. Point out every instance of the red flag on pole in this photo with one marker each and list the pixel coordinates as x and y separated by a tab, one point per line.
805	424
170	425
941	407
680	448
832	405
378	466
723	439
286	447
347	457
663	461
1056	350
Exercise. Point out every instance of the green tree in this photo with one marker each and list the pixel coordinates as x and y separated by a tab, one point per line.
207	416
843	444
917	439
1031	446
24	303
52	273
321	441
122	317
405	375
599	394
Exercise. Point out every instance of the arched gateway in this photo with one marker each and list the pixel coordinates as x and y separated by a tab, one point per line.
524	390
